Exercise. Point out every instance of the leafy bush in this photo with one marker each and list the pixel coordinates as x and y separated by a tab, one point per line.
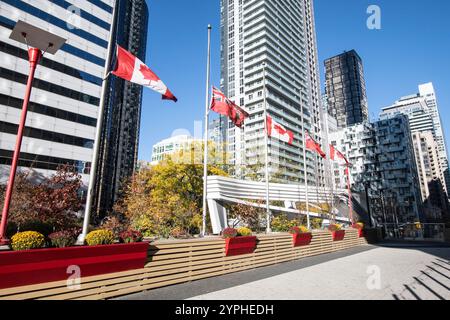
281	223
358	225
131	236
334	227
229	233
298	230
65	238
27	240
244	232
179	232
38	226
116	224
99	237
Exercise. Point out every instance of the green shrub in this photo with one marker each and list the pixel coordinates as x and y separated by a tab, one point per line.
99	237
281	223
62	239
27	240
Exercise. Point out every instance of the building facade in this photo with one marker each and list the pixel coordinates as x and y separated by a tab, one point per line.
431	177
282	37
62	115
345	88
423	113
383	163
171	146
122	117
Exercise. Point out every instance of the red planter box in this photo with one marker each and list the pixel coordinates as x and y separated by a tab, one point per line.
240	245
360	233
19	268
301	239
338	235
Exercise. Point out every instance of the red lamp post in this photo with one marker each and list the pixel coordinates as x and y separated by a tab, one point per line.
39	40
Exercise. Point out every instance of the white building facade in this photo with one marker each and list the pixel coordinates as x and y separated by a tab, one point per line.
63	108
281	36
171	146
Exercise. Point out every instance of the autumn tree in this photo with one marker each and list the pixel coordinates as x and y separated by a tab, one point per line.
54	200
169	195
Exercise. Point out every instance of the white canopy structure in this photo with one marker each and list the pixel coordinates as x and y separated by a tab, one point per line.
227	190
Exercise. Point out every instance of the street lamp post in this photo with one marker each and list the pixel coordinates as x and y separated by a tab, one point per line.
38	42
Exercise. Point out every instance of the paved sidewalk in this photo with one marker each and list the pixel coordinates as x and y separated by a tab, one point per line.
408	272
405	273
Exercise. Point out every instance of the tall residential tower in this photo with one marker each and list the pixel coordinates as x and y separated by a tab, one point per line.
281	35
346	89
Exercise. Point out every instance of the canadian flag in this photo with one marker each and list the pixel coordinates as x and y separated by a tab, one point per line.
313	145
334	152
224	106
130	68
276	130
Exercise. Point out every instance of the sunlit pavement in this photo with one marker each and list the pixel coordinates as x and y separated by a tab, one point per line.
405	272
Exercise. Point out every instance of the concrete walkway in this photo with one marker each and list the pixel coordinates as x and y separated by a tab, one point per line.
389	272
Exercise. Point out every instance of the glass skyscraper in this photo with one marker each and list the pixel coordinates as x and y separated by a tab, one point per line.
346	89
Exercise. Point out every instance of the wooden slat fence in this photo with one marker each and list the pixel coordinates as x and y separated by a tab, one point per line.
174	262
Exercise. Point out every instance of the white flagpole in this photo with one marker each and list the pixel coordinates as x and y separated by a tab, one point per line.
98	132
205	144
308	220
266	141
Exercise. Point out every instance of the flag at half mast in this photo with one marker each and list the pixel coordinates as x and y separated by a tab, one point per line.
312	145
224	106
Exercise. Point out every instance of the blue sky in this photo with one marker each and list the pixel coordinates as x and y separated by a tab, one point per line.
412	47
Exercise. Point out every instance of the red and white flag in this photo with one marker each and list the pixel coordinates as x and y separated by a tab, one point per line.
313	145
336	153
130	68
224	106
276	130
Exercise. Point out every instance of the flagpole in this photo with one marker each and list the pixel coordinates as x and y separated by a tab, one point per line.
98	132
205	144
266	141
308	220
350	204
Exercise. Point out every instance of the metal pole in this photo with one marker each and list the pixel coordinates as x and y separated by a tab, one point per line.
98	133
266	141
34	55
366	185
350	205
205	144
308	220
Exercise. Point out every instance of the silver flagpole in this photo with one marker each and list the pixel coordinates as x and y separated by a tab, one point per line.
308	220
98	132
266	141
205	144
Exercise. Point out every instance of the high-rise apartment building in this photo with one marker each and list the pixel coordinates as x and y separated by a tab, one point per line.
346	89
121	122
280	35
62	115
434	193
383	161
423	113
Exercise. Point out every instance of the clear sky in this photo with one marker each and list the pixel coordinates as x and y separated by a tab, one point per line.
412	47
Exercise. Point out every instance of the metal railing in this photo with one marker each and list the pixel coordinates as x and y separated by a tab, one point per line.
414	231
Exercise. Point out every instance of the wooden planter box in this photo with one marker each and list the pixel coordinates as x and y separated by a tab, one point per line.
301	239
338	235
240	245
19	268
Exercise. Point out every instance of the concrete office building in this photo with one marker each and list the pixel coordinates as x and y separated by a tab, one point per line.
345	88
283	37
62	116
